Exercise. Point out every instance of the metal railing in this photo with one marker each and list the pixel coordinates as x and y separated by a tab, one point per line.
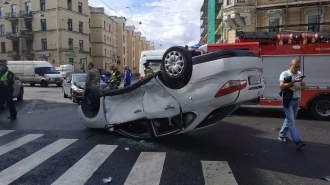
11	16
27	52
25	14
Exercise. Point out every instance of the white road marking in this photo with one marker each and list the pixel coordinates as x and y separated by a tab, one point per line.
80	172
20	168
4	132
218	173
147	170
18	142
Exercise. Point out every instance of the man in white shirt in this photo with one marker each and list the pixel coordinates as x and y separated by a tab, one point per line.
296	85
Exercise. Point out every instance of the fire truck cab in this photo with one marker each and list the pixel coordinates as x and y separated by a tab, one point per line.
276	51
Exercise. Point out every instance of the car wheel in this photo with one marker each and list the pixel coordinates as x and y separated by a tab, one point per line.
43	83
32	85
64	95
20	96
92	98
177	65
59	85
320	108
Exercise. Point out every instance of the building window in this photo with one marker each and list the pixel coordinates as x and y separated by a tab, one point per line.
28	25
110	42
14	9
124	38
274	22
104	24
124	50
2	12
42	5
81	45
105	52
71	61
29	45
81	26
124	61
69	5
70	43
90	37
28	7
105	39
229	2
2	29
123	26
90	51
133	53
70	24
241	1
313	19
15	46
109	27
43	25
79	7
14	28
3	47
43	43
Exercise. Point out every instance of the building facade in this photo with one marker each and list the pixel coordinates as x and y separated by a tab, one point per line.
65	32
274	16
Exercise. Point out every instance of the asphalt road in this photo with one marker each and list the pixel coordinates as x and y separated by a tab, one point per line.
246	140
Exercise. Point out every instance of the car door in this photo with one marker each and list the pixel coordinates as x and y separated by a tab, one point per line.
67	85
28	73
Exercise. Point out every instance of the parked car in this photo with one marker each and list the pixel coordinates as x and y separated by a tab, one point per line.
188	93
70	88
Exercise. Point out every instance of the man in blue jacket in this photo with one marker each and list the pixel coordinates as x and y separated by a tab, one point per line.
127	77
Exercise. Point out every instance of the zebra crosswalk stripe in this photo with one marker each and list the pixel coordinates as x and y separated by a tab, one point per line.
80	172
18	142
5	132
147	170
217	173
20	168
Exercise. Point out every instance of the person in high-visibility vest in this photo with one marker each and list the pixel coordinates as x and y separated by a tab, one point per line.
7	80
115	74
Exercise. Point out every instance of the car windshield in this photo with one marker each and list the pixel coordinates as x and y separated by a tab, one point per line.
48	70
79	78
154	65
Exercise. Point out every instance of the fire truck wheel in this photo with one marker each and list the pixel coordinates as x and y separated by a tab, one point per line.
320	108
177	65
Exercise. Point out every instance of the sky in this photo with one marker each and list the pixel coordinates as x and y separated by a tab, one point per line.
164	22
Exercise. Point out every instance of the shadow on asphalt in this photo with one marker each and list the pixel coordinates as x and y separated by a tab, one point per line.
270	113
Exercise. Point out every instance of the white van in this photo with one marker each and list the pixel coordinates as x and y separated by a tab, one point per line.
63	69
36	72
153	57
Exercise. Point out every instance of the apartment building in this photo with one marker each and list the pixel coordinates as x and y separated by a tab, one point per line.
274	16
137	40
103	39
66	31
55	31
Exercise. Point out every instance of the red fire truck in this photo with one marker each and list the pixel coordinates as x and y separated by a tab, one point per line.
276	51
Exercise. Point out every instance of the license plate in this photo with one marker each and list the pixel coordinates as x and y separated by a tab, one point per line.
255	79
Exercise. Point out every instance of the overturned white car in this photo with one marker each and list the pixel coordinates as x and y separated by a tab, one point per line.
189	93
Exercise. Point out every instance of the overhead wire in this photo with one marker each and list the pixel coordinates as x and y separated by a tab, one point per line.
145	4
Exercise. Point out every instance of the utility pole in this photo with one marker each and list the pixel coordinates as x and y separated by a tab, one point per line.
210	21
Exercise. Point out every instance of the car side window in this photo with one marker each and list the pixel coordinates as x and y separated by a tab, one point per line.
38	71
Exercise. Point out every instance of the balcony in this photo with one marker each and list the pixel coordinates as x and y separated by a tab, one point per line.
28	53
11	16
26	34
25	14
13	54
12	35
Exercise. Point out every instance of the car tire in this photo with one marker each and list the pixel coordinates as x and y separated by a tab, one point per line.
64	95
177	67
32	85
43	83
59	85
92	98
320	108
20	96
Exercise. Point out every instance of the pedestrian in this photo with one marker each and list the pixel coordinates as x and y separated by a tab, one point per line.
7	80
147	70
93	77
115	74
127	77
291	108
